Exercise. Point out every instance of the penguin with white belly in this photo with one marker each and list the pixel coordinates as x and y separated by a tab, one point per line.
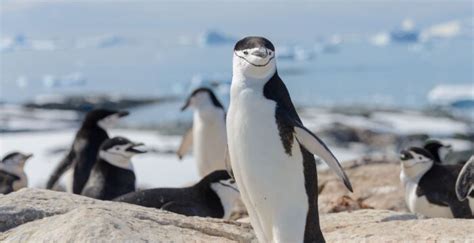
430	187
208	133
271	151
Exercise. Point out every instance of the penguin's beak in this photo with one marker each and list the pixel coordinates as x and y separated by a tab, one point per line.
135	150
186	105
27	156
123	113
405	155
261	52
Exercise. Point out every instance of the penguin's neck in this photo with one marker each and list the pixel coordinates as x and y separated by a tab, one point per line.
241	82
117	160
413	174
209	113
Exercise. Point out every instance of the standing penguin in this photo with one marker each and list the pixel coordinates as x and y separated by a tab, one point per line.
83	152
271	152
214	196
12	174
465	182
112	174
208	133
430	188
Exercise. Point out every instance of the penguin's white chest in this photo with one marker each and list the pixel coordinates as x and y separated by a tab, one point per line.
271	182
421	204
209	143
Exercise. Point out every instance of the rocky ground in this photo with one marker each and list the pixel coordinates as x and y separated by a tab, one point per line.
376	185
35	215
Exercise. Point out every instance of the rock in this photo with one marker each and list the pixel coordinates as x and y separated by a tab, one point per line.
34	215
376	185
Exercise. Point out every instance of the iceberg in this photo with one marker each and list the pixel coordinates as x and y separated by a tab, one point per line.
214	38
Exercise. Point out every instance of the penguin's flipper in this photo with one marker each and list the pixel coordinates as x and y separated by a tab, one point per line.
465	181
62	167
228	165
185	143
184	208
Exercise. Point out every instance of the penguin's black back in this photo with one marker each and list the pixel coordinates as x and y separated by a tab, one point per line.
438	186
107	181
276	90
198	200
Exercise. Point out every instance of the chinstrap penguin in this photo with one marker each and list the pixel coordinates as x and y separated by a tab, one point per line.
430	187
208	133
270	150
465	182
112	174
12	174
214	196
83	152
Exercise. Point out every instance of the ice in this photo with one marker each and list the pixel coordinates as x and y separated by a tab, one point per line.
68	80
449	93
101	41
213	38
380	39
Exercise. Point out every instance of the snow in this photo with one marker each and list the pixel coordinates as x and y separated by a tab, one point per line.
449	93
416	123
152	170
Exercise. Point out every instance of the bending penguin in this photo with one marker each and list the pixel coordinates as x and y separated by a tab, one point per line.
271	151
465	182
430	187
208	133
83	152
112	174
12	174
214	196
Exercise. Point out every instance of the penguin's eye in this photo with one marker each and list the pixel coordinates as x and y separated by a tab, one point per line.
269	52
246	52
420	158
117	149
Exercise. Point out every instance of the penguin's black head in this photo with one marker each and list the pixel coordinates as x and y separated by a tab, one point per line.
202	97
416	160
103	118
219	176
438	149
118	151
254	57
16	159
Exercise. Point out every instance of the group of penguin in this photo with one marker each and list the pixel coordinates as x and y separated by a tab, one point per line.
435	188
259	153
